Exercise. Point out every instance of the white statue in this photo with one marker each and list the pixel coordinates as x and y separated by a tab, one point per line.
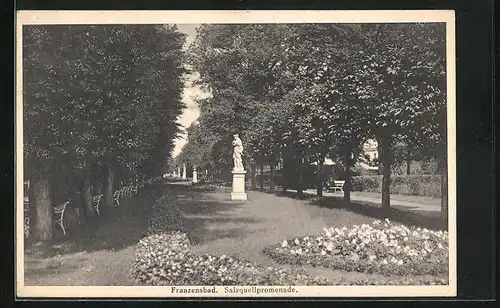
238	150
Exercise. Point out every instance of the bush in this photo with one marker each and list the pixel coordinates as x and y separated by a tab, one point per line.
378	248
165	216
412	185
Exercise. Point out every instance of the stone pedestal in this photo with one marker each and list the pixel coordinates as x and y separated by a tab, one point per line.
238	192
195	176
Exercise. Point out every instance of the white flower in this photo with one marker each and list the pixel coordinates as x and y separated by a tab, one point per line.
284	244
440	246
372	257
405	239
384	261
297	242
400	262
323	252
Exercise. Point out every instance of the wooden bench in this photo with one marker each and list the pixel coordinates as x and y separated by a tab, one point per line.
125	192
26	223
134	189
59	210
97	202
117	195
26	204
337	184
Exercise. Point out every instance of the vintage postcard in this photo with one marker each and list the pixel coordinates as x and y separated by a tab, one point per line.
235	154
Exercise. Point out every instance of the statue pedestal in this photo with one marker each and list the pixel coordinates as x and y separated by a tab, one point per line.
184	177
238	192
195	176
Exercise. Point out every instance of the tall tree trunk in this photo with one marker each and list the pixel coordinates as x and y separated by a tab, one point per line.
261	177
444	188
253	175
386	172
41	199
408	162
271	171
300	188
319	176
108	186
347	185
87	193
285	172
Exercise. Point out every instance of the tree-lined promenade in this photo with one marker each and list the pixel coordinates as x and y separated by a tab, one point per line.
101	103
301	93
100	108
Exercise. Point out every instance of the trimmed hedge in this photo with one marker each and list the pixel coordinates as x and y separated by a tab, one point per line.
411	185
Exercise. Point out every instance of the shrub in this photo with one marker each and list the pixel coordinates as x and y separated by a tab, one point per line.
165	216
413	185
382	248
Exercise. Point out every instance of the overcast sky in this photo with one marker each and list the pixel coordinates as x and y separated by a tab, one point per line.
191	113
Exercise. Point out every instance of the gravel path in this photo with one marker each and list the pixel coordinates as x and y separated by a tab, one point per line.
219	226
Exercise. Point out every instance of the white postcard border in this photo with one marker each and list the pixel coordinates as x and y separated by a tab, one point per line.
239	17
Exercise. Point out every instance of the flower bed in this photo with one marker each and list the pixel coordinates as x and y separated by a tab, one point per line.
379	248
165	259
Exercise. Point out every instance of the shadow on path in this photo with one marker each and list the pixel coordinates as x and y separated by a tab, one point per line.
419	218
209	217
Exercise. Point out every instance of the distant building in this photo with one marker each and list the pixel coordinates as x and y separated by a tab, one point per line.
370	149
370	153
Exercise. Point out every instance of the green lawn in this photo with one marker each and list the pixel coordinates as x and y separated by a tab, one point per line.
102	252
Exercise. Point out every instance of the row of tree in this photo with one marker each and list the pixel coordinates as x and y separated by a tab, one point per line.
100	107
301	93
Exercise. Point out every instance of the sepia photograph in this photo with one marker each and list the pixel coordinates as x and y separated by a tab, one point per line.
235	154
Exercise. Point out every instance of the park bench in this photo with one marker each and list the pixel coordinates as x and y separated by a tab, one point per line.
337	184
117	195
134	189
59	210
125	192
26	210
97	202
26	222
